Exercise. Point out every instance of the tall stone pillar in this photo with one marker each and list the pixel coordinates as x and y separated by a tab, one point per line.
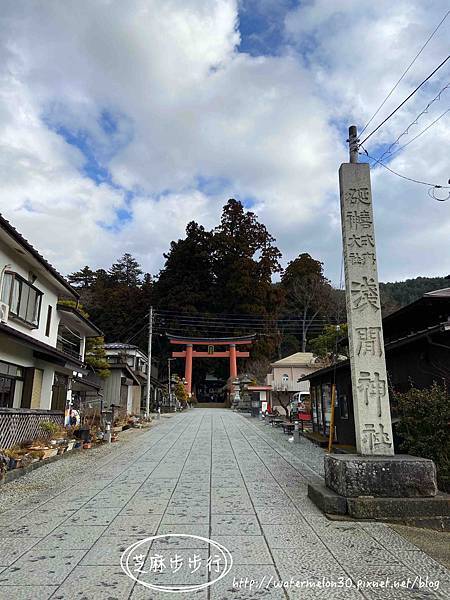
374	483
188	368
368	366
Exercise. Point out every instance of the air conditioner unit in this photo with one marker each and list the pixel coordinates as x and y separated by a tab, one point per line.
4	312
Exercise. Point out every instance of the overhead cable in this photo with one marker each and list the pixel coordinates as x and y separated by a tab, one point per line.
405	72
405	100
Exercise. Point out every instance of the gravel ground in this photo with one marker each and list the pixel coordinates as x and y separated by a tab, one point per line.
51	479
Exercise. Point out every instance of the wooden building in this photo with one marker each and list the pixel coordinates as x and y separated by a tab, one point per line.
417	347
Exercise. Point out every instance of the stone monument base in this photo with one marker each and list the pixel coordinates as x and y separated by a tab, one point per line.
399	489
399	476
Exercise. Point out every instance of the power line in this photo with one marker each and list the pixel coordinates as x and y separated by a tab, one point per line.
280	322
234	319
421	133
415	121
431	185
405	100
404	73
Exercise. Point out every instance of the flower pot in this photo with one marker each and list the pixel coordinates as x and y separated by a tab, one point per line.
85	434
49	452
87	445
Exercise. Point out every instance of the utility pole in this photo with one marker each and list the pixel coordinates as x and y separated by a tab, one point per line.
353	142
149	369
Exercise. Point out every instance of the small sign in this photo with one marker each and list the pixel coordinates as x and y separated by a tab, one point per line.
210	349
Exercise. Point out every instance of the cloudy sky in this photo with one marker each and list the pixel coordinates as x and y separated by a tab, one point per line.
120	121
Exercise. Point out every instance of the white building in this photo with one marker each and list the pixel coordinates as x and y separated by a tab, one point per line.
126	388
285	373
42	341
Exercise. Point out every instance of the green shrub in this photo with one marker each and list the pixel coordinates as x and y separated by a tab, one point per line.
424	427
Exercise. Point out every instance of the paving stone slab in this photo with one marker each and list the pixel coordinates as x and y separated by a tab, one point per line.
246	550
38	568
133	526
107	550
99	583
144	508
68	536
12	548
184	519
236	524
290	535
24	592
88	517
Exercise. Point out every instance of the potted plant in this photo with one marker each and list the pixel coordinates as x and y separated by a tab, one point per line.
51	429
14	457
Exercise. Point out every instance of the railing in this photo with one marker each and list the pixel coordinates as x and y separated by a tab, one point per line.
18	425
68	348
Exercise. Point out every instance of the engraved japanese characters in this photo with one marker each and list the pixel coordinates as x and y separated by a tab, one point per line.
368	366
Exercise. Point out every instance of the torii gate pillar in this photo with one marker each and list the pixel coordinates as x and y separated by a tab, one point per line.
233	361
188	368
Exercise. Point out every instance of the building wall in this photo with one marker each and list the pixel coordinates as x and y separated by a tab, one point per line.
112	387
136	404
43	284
15	353
277	378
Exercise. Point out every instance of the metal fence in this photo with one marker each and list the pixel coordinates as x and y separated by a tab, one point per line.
18	425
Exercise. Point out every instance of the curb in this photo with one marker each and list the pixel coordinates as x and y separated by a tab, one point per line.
21	471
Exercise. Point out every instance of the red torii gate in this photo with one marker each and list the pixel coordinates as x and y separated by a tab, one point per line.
189	353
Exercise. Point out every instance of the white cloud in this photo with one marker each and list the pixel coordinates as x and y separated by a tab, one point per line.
182	103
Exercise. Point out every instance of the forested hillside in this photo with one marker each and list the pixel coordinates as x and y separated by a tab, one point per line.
397	294
219	282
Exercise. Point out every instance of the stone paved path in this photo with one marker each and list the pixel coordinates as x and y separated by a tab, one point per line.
214	474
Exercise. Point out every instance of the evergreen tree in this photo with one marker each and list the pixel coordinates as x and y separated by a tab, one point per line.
84	278
126	271
245	258
96	356
186	283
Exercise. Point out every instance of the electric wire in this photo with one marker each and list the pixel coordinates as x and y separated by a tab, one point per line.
415	121
419	134
405	100
431	185
404	73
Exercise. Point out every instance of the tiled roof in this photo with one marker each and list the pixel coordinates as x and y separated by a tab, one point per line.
18	237
120	346
297	359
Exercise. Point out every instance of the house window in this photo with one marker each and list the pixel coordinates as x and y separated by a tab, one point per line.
9	375
7	386
49	321
23	299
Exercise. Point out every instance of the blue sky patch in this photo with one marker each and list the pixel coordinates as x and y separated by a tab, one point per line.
261	25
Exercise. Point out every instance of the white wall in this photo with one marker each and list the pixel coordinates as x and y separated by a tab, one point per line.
15	353
275	378
8	256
